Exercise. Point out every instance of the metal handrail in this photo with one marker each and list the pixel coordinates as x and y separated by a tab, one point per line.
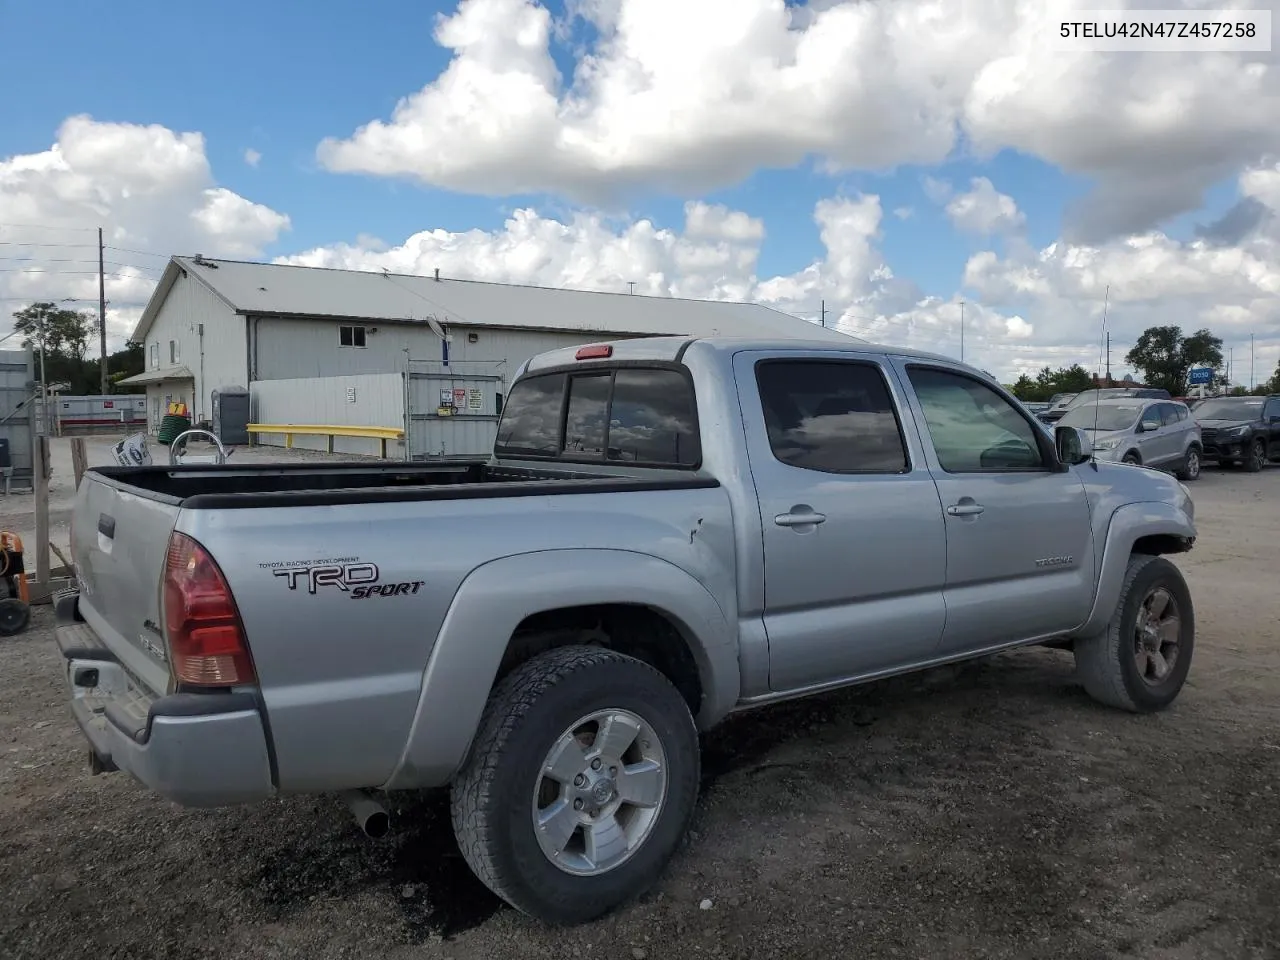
173	445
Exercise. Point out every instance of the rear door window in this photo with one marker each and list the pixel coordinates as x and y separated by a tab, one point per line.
831	416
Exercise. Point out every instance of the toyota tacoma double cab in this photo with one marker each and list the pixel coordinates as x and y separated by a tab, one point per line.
668	530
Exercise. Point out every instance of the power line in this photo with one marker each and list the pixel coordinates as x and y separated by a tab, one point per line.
112	263
78	273
44	226
44	243
142	253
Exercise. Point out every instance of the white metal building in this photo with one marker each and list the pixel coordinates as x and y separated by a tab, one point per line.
323	346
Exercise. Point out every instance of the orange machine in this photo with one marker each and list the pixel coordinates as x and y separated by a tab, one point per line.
15	595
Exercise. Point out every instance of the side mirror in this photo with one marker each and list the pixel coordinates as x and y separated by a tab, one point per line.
1149	426
1073	444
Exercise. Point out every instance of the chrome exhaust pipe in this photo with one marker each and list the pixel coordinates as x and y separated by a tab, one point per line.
371	816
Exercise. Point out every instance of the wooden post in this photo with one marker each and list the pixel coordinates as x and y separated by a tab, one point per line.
78	461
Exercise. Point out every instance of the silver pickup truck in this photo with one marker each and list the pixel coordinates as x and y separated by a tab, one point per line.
668	531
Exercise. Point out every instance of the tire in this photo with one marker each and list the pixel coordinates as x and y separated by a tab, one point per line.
1132	458
1257	458
505	780
1107	664
1190	469
15	616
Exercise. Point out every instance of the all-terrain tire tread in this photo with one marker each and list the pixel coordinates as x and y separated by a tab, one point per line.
1098	657
507	706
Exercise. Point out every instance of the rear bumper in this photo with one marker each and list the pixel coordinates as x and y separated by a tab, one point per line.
197	749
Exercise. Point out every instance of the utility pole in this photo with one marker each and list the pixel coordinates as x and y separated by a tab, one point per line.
1108	358
824	313
632	285
962	331
102	313
1251	358
44	384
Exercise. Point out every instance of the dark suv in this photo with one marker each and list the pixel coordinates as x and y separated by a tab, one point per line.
1240	430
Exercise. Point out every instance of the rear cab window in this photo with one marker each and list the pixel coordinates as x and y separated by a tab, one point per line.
642	415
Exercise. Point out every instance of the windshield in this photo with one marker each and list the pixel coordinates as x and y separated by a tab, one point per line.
1110	416
1229	409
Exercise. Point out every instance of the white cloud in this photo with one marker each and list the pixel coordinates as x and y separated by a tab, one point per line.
984	210
1147	279
252	157
714	256
749	84
1020	310
152	190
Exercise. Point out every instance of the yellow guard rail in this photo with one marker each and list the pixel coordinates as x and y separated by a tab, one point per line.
329	430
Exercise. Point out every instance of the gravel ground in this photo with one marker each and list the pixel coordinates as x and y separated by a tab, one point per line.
984	810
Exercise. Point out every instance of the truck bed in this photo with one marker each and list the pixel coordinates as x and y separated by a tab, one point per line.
226	486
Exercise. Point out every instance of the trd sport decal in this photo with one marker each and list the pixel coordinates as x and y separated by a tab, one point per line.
358	580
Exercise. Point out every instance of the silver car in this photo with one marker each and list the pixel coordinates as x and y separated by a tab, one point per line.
1152	433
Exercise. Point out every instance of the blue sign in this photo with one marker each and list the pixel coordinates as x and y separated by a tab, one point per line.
1198	375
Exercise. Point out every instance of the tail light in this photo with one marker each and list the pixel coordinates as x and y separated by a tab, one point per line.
207	646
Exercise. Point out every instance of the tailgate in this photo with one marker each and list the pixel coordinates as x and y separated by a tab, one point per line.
120	538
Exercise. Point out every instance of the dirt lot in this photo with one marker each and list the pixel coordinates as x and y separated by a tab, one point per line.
990	810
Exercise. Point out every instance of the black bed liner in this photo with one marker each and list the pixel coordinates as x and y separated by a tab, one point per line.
227	486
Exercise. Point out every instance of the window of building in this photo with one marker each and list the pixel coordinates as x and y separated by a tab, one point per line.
973	428
173	352
155	356
831	416
350	336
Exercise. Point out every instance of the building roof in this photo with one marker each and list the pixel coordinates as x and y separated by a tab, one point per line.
161	375
273	289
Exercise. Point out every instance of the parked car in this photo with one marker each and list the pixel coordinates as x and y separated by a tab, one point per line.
1058	411
1161	435
668	531
1240	430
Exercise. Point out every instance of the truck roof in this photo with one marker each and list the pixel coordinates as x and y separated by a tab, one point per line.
669	349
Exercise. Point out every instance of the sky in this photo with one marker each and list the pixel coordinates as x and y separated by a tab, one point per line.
901	170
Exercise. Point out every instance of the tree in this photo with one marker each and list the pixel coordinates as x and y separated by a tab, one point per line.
65	333
67	337
1165	356
1048	382
1274	385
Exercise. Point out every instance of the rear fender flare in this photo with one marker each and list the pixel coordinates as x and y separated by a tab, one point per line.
1129	524
497	596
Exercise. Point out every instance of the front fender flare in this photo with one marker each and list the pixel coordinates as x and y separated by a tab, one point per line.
497	596
1129	524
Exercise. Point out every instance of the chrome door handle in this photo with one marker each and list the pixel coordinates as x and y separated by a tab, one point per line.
799	519
965	509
